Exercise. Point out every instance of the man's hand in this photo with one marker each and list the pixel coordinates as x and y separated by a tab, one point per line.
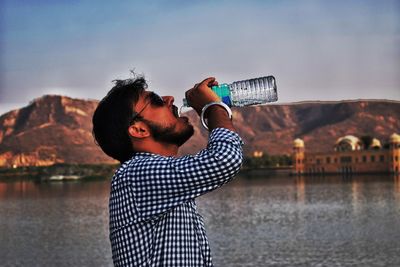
201	94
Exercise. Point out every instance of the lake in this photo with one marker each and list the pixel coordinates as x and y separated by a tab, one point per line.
259	219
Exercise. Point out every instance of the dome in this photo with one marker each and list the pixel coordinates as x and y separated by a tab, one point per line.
395	138
298	143
375	143
348	143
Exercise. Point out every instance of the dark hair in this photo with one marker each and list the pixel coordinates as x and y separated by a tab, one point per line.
112	118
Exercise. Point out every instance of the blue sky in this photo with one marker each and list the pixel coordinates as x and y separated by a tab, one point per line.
317	50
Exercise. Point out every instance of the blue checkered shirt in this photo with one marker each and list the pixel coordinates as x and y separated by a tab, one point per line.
153	216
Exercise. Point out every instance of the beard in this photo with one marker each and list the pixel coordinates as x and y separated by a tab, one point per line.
168	134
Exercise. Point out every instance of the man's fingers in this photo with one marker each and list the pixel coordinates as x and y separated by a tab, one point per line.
215	83
209	81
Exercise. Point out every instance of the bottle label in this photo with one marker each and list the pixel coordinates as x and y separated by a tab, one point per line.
223	92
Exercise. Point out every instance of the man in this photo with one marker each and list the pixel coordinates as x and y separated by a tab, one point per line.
153	217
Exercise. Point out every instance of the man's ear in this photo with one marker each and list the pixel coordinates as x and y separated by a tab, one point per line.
138	130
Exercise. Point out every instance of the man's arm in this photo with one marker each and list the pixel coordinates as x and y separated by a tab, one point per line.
162	183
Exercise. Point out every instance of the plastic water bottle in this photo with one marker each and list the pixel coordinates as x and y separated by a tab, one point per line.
250	92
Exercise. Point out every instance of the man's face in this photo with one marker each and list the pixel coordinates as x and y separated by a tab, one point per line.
163	119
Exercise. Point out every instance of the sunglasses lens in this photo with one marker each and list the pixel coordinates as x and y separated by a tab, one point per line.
157	100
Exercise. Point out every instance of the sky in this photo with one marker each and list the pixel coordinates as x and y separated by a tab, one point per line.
317	50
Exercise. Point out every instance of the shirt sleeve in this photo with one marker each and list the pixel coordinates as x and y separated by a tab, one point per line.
161	183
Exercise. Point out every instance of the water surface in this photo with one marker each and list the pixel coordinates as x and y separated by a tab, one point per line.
253	221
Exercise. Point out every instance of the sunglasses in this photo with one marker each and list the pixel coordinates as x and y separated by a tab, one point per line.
154	99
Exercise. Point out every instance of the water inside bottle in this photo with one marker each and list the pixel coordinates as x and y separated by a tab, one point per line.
254	91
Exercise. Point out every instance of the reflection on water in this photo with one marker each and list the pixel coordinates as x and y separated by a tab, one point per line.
262	221
304	221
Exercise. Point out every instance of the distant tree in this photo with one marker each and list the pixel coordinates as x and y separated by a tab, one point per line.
268	161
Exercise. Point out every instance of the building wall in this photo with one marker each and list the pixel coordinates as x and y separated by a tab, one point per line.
395	157
299	159
359	161
348	157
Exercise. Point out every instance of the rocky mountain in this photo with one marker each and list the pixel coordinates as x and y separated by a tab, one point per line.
51	129
272	128
57	129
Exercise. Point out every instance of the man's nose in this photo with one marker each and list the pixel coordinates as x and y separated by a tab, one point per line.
169	100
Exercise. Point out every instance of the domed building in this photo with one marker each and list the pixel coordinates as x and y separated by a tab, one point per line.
350	155
394	148
375	144
298	156
395	139
348	143
298	143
